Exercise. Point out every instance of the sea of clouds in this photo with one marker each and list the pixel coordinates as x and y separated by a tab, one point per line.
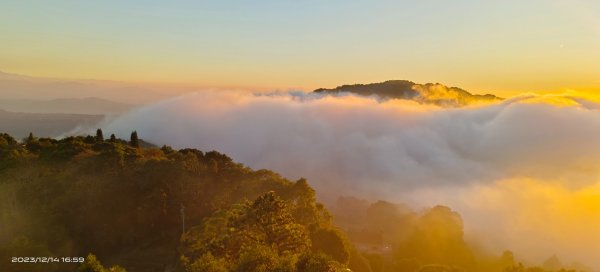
523	172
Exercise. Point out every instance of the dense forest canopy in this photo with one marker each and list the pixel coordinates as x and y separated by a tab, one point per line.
135	207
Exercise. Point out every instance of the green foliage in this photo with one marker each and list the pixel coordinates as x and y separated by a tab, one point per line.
331	242
257	258
318	262
205	263
77	194
59	151
11	152
263	235
264	227
7	140
268	219
92	264
306	210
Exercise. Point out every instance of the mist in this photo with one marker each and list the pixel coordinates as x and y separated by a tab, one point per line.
523	172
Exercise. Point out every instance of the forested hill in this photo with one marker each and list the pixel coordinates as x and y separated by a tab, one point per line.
429	93
130	206
124	203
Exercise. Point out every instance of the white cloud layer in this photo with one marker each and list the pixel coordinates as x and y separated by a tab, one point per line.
396	149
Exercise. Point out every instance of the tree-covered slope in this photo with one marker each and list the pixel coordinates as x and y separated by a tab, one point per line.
81	195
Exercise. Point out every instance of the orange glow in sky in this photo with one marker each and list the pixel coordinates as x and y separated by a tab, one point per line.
505	48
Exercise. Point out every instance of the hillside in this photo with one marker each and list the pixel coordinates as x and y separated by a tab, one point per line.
124	204
429	93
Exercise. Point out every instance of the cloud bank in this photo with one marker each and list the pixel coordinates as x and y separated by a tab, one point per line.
526	153
534	218
362	142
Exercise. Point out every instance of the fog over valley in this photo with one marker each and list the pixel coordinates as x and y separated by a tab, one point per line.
507	166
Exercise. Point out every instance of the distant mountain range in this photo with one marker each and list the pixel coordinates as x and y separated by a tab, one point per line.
15	86
45	124
53	107
430	93
90	105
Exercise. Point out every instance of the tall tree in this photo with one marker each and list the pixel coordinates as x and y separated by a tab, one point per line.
30	138
99	136
113	138
134	140
437	239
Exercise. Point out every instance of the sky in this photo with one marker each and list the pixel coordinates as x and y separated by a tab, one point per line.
501	47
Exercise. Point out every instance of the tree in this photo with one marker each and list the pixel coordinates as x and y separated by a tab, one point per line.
30	138
32	143
92	264
270	216
258	259
206	263
331	242
113	138
317	263
6	139
438	238
256	236
305	209
134	141
99	136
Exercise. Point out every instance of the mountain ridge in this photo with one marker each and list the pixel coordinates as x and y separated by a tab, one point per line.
20	124
87	105
429	93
